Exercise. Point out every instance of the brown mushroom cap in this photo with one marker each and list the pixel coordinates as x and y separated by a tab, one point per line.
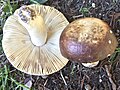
87	40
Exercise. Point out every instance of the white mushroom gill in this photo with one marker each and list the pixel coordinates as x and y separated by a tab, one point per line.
34	23
31	39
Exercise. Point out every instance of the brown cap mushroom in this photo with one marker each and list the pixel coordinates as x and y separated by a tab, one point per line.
87	40
31	39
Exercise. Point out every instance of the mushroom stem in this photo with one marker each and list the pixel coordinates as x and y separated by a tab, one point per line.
37	31
92	64
35	25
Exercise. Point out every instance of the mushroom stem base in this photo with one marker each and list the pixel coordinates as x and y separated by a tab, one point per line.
93	64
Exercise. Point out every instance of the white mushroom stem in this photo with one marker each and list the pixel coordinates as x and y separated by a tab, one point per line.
93	64
37	31
35	25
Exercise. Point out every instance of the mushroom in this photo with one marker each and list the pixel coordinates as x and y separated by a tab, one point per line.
31	39
87	40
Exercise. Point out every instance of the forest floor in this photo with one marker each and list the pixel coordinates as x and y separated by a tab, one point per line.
74	76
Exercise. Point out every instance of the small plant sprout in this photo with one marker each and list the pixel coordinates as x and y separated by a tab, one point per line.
87	40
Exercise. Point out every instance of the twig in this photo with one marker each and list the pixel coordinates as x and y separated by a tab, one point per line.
45	85
110	79
63	78
114	17
82	82
78	16
46	82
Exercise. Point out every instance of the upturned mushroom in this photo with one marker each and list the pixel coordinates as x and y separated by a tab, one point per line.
31	39
87	40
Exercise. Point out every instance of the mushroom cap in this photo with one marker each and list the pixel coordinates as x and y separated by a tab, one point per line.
87	40
23	54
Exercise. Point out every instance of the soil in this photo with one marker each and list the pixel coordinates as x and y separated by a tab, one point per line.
105	76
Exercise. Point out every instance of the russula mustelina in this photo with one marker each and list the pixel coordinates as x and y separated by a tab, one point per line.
31	39
87	40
